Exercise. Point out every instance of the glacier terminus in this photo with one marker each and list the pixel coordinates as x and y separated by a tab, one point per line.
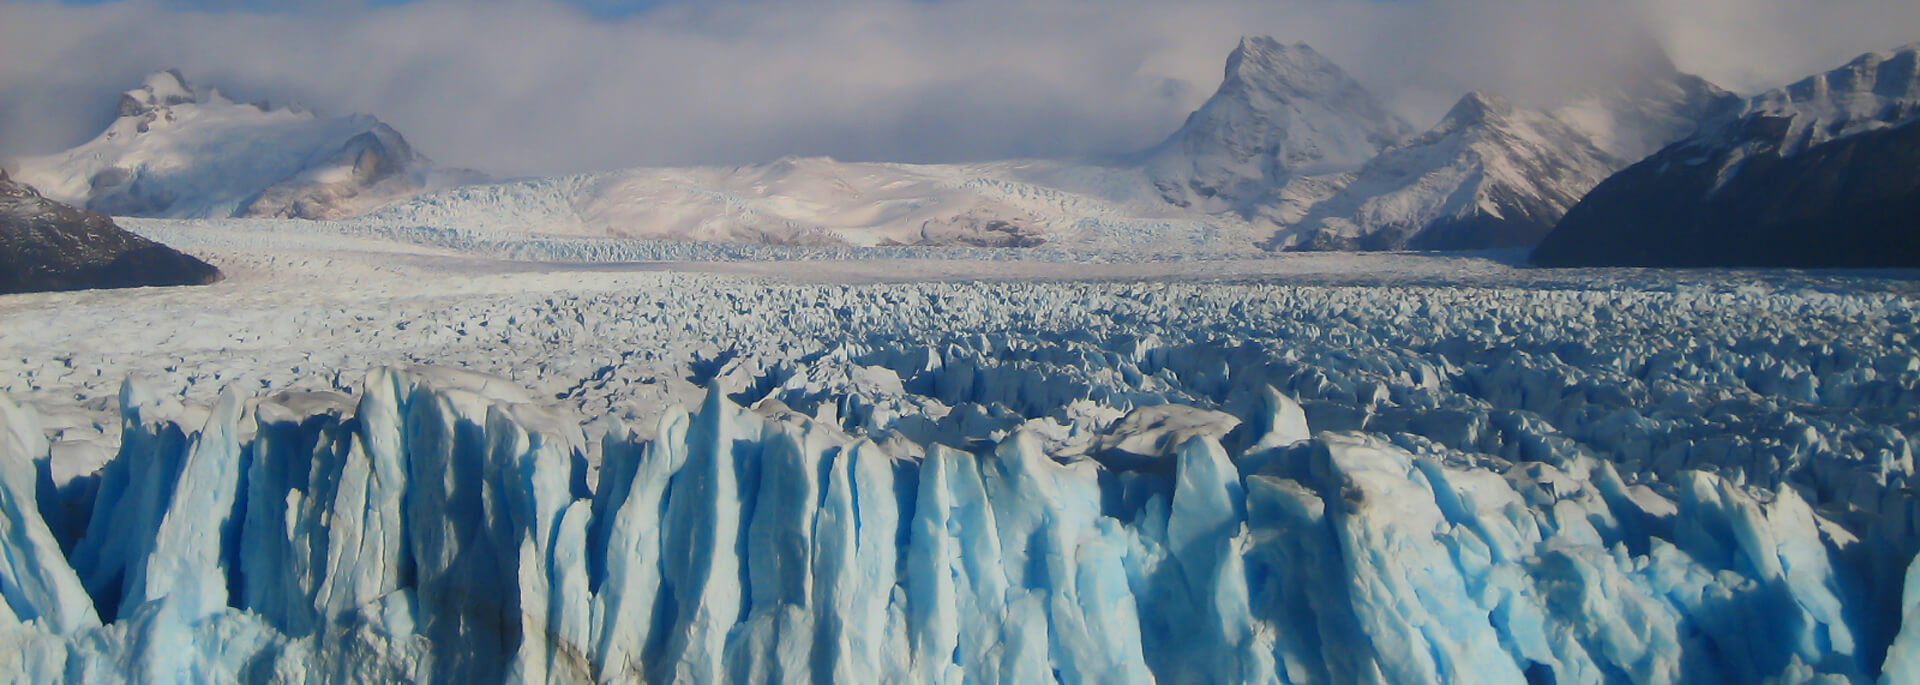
1616	478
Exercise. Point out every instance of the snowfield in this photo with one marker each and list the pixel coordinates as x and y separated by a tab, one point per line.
379	452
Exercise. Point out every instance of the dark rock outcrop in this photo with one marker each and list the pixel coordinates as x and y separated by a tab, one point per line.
46	245
376	164
1823	173
1853	202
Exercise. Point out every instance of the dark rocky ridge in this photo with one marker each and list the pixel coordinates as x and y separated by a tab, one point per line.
46	245
1823	173
1853	202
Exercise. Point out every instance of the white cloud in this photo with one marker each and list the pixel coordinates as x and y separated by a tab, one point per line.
526	86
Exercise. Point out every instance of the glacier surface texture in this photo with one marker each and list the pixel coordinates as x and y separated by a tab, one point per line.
999	482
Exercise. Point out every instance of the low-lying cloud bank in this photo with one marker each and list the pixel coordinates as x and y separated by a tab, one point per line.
539	86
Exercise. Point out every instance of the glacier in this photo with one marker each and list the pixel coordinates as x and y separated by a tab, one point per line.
822	520
367	461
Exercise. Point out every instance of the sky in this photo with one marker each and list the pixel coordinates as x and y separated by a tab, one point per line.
524	87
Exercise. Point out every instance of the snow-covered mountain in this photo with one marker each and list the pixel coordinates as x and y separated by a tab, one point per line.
1823	172
1289	153
1283	115
182	153
822	201
1495	175
1875	91
1285	131
1291	142
1489	175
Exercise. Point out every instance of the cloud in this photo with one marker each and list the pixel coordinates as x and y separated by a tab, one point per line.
535	86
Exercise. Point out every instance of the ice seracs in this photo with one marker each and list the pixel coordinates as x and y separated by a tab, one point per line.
1054	480
442	529
176	151
704	475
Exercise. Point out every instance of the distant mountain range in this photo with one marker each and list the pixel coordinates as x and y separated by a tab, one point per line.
1291	142
174	151
1289	153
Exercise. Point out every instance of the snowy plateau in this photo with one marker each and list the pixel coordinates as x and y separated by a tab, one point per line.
432	456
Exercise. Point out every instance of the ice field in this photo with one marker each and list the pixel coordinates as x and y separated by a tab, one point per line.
377	454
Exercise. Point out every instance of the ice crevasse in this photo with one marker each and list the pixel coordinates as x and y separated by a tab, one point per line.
439	527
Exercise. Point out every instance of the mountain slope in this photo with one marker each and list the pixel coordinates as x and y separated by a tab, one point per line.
1283	113
1489	175
1824	172
1290	153
821	201
180	153
46	245
1291	142
1648	106
1492	175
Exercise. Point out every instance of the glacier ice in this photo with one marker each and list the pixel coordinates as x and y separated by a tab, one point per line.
441	528
1588	477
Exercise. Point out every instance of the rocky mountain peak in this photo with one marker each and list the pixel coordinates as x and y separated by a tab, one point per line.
1475	108
1889	74
1281	69
1873	91
158	90
1282	111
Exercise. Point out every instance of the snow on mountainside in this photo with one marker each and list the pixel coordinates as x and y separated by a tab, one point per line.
177	152
1649	105
1495	175
1292	143
1282	114
1289	153
1875	91
1819	173
1489	175
821	201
